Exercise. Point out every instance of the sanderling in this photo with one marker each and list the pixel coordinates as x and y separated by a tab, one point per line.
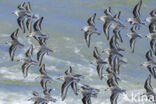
100	62
136	15
133	36
14	44
90	29
28	61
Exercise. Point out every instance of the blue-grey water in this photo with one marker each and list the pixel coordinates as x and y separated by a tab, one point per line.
63	20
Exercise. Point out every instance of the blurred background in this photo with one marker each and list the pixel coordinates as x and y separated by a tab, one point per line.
63	20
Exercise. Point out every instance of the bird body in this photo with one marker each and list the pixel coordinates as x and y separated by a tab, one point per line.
90	29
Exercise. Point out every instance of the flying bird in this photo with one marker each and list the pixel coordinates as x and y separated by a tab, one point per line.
28	61
87	93
45	78
69	78
14	44
100	62
151	95
115	92
133	36
107	19
47	95
152	18
136	20
42	51
150	64
37	33
90	29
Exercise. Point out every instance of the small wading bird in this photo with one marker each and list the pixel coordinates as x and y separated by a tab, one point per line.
152	37
117	27
107	19
38	99
110	20
70	79
42	51
47	95
30	17
151	95
87	93
133	36
114	49
28	61
150	64
100	62
116	90
45	78
90	29
38	34
23	13
135	20
14	44
112	78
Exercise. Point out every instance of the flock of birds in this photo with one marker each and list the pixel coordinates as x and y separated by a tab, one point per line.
115	52
32	22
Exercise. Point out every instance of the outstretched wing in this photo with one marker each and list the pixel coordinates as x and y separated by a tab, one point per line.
25	68
106	27
96	53
14	35
132	44
65	87
148	55
12	50
91	20
136	10
42	70
29	52
148	85
28	7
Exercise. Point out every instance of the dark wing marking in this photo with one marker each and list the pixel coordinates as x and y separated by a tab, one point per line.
44	83
136	10
42	70
74	87
29	52
99	69
96	53
40	22
14	34
87	38
12	50
35	26
91	19
114	97
25	68
132	44
29	24
21	6
28	7
106	27
148	55
40	55
65	87
20	21
117	16
148	85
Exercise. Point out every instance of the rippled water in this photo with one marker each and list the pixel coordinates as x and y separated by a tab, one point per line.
63	20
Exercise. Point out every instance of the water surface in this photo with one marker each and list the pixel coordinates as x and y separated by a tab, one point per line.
63	20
